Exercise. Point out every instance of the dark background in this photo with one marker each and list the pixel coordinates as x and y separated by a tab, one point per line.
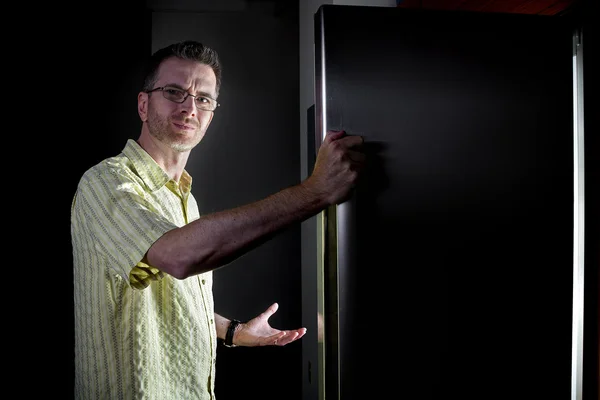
81	70
92	62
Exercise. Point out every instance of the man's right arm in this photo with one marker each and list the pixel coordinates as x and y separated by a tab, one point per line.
219	238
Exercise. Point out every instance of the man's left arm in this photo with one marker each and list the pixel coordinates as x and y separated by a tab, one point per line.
258	331
222	324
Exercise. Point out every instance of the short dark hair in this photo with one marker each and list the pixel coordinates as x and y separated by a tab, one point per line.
186	50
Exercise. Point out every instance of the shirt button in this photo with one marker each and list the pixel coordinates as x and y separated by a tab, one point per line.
203	281
211	321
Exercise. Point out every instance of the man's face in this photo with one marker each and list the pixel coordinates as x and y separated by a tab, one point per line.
181	125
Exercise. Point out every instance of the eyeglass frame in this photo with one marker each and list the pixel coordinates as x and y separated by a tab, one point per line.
187	94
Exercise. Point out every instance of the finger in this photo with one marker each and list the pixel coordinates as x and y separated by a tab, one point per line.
334	135
273	308
289	338
270	311
301	333
352	141
278	339
356	156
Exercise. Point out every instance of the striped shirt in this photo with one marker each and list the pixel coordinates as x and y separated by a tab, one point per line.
139	333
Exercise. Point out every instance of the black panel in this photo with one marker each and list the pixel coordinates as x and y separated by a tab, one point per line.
461	280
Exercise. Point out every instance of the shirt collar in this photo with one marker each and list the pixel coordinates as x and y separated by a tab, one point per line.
150	172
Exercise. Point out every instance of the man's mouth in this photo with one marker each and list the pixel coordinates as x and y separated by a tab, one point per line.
184	126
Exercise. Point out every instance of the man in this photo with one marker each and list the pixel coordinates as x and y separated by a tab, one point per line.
143	258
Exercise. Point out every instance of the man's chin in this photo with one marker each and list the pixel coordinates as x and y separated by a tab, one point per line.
181	147
183	143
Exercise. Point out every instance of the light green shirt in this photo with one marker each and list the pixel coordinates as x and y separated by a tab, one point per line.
139	333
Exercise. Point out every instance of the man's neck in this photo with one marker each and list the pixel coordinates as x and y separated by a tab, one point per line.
171	161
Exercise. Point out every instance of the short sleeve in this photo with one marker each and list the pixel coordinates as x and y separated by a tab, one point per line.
115	219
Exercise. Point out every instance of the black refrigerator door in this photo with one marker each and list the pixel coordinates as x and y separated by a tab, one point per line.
450	272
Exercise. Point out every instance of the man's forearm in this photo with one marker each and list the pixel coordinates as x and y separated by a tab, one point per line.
221	324
219	238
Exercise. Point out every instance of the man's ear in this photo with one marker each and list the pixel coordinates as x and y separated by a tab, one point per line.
142	100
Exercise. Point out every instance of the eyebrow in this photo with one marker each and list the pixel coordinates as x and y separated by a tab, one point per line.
177	86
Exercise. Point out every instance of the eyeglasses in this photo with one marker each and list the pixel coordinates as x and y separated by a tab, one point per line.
203	102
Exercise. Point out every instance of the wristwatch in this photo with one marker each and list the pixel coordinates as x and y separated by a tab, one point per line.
230	331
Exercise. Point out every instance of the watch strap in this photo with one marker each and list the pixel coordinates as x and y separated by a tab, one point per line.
230	331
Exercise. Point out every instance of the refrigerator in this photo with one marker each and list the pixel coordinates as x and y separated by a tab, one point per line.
452	272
